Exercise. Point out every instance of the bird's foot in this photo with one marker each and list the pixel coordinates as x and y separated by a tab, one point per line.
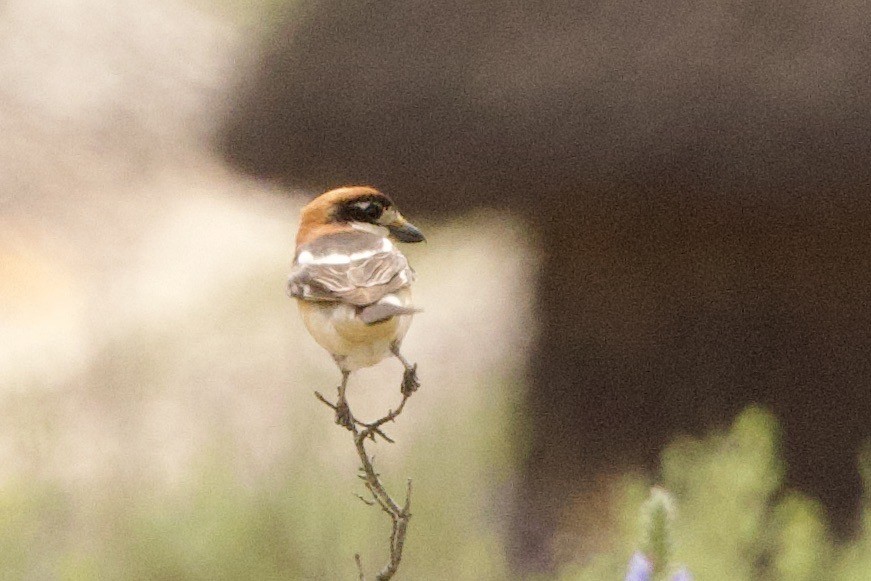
410	383
343	415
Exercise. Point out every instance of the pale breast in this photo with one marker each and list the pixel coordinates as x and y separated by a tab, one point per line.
337	328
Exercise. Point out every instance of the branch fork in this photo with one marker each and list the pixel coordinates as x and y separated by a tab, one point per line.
363	431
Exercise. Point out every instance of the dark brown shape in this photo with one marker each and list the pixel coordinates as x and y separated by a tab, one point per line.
698	176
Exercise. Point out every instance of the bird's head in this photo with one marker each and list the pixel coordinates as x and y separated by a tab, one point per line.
358	207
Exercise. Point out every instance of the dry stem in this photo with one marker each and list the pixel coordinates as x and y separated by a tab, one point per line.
399	515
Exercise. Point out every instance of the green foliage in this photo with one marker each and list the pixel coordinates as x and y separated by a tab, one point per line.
735	521
855	559
658	516
799	543
724	485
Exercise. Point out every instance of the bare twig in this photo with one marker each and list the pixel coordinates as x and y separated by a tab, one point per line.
360	566
373	428
366	502
399	516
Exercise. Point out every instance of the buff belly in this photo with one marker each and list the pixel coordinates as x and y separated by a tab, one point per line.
353	343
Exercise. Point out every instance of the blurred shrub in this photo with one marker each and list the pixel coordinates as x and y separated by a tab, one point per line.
732	518
300	521
735	521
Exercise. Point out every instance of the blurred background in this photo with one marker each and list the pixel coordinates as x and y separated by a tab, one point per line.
648	262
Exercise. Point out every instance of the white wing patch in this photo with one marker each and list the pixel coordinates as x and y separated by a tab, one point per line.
354	267
306	257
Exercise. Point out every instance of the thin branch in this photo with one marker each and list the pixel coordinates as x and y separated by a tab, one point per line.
360	566
399	516
372	428
366	502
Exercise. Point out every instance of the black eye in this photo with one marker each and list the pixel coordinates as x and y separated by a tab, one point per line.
370	210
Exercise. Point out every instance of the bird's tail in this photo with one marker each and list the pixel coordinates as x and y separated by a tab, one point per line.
379	312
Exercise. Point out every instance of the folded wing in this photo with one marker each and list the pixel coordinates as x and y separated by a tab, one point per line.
354	267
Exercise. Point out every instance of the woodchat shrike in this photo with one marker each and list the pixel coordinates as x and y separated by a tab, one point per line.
352	283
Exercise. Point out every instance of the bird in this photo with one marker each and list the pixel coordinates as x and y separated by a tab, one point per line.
352	284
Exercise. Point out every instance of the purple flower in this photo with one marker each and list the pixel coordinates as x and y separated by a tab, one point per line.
641	569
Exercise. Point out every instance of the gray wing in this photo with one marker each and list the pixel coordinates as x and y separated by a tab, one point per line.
356	268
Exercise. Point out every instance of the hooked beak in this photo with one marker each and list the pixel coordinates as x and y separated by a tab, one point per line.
405	231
